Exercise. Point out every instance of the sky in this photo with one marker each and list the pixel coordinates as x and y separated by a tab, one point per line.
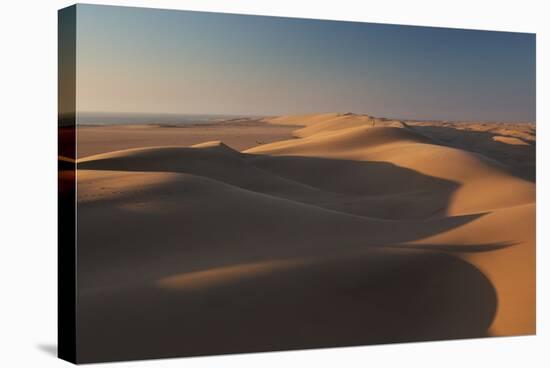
139	60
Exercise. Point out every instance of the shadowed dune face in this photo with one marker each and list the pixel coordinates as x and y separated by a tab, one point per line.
514	147
337	302
225	275
163	223
356	187
484	184
371	187
351	234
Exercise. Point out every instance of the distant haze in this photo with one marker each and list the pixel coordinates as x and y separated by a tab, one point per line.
137	60
102	118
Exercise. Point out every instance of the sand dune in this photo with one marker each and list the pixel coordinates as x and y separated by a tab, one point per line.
510	140
327	123
341	142
235	133
479	138
362	230
482	184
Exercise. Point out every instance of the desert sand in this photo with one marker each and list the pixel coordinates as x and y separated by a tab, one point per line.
307	231
238	133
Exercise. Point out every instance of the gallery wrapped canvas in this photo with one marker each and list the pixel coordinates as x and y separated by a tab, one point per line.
237	183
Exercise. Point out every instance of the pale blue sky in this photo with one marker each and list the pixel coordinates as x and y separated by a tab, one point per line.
169	61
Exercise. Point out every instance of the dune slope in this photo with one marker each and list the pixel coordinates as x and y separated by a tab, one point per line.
360	231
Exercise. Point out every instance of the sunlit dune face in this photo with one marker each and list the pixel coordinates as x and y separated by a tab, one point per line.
510	140
226	275
96	185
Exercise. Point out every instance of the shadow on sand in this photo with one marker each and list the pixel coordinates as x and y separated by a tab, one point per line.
520	159
378	295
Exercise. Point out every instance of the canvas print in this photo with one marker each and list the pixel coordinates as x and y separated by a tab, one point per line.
237	183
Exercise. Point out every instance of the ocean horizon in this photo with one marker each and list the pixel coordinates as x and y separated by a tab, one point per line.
123	118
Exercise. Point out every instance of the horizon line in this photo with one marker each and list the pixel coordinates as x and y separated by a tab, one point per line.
145	113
